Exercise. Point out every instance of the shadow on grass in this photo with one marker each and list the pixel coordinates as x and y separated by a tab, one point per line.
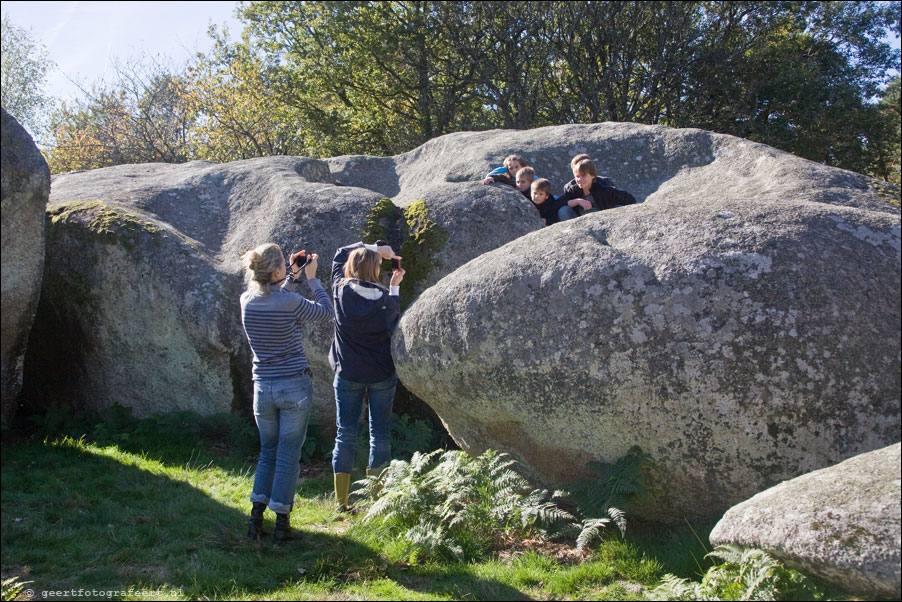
680	549
457	584
82	518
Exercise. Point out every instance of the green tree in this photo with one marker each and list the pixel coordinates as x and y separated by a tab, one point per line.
25	64
329	78
142	117
377	77
795	75
886	148
235	97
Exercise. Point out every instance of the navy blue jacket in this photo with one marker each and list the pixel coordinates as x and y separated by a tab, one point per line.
548	210
361	350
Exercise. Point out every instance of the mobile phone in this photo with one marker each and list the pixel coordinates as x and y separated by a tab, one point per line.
395	263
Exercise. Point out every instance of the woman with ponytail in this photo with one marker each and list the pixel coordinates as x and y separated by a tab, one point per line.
365	316
272	314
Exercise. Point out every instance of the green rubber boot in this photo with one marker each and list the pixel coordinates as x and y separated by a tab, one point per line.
342	482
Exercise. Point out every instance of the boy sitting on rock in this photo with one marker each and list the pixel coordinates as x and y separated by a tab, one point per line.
590	194
506	174
573	163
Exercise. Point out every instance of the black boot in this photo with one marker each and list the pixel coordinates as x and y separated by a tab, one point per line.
255	528
283	531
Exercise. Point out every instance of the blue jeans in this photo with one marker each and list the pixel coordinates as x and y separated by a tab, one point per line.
348	405
281	409
566	212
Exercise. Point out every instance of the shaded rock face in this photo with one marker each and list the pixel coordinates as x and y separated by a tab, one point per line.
841	524
25	187
140	304
739	341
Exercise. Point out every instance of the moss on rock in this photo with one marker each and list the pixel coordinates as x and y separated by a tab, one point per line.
114	224
423	240
888	191
419	241
378	220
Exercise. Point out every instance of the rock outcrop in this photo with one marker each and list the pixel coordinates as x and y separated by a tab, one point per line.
841	524
654	163
25	185
742	325
140	306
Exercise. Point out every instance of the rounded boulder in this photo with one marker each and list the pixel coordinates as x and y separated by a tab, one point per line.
740	342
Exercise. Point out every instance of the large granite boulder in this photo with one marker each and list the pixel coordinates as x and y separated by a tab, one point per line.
143	277
741	334
841	524
25	184
140	306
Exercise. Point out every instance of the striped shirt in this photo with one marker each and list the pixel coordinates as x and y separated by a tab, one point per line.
272	324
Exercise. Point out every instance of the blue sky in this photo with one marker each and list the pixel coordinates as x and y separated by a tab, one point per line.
83	38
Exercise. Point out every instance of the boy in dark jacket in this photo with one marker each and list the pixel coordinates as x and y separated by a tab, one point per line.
590	193
545	202
573	163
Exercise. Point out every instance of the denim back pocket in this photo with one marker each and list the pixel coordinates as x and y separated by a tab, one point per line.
295	394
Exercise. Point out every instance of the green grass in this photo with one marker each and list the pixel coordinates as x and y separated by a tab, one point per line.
169	514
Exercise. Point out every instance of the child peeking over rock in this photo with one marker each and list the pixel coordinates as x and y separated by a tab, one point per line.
525	178
547	204
507	173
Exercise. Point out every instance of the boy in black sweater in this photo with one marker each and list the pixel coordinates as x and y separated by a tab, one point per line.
545	202
591	193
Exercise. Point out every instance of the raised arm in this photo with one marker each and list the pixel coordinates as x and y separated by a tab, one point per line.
339	261
320	309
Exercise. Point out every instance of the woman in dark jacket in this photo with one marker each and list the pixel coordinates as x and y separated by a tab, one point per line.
365	316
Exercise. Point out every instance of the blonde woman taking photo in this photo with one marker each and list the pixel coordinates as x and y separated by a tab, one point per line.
272	314
366	313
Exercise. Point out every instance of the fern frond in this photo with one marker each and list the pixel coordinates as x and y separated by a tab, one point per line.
591	530
728	553
619	518
674	588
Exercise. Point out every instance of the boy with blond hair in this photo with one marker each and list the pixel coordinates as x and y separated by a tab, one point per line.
576	161
525	178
